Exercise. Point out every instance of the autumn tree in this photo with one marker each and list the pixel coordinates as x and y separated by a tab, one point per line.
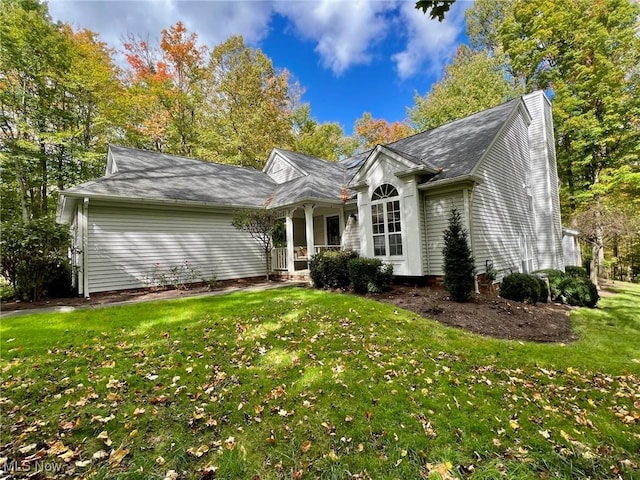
474	81
324	140
248	106
56	88
369	131
165	90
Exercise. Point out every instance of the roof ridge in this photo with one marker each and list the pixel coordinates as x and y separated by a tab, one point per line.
456	120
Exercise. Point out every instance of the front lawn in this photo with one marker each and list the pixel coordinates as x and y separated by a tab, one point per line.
298	383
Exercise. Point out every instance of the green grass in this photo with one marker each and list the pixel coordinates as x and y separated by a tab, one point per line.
297	383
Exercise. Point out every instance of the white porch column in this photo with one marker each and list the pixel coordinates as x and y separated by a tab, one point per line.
308	221
291	267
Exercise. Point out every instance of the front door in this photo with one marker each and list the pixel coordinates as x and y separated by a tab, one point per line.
333	230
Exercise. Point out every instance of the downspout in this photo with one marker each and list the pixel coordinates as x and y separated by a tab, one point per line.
467	195
85	247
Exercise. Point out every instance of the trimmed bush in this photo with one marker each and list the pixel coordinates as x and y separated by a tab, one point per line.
576	272
330	270
520	287
579	291
369	275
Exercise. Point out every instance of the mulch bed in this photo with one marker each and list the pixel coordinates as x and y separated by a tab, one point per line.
486	314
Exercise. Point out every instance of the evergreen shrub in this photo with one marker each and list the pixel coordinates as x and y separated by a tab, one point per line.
579	291
520	287
458	261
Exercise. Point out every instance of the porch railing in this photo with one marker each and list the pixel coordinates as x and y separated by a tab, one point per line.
279	255
279	259
326	248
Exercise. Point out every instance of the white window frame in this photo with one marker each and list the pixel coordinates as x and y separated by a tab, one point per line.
388	198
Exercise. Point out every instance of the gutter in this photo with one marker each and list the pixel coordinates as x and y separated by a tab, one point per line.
158	201
450	181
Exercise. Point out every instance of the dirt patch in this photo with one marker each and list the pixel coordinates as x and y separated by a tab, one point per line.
486	314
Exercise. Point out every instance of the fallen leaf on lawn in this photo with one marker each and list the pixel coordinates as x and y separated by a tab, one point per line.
100	455
544	433
348	419
117	456
138	411
28	448
133	433
514	424
332	455
230	443
271	439
442	469
159	399
198	452
104	436
171	475
306	446
83	463
368	415
70	424
160	460
57	448
102	420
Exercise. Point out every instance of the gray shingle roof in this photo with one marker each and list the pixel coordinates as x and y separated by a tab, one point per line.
455	148
158	176
324	180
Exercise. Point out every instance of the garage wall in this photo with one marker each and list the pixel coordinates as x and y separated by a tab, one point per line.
127	245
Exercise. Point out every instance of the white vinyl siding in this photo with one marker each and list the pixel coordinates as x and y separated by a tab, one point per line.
500	205
281	171
544	183
438	210
126	244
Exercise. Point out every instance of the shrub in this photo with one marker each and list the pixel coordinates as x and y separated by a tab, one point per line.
520	287
458	262
555	279
576	272
369	275
580	292
330	270
34	258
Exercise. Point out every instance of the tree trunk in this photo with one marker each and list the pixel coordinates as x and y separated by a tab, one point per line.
24	204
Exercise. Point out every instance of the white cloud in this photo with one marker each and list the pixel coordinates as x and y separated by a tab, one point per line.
428	41
213	21
344	31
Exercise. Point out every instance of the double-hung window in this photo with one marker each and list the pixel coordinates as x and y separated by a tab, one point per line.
385	221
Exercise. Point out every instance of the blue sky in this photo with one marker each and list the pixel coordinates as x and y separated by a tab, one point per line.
349	56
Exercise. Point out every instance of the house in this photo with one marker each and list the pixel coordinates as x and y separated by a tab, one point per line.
497	167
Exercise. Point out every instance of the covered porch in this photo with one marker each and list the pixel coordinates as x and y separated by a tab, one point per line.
310	229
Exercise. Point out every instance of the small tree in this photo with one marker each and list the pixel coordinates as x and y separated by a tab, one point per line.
260	224
458	261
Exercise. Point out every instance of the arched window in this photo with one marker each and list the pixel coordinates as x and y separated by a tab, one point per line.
385	220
